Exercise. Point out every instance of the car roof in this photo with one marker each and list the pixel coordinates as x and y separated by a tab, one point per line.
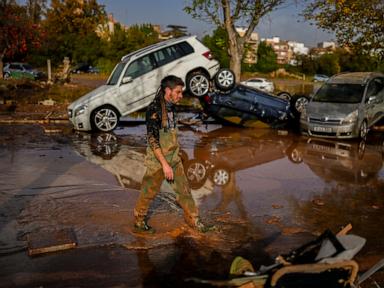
354	77
155	46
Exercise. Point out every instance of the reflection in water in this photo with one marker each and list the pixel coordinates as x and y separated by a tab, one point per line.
348	163
353	173
254	175
217	156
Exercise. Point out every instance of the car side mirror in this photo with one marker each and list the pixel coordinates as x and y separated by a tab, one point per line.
126	80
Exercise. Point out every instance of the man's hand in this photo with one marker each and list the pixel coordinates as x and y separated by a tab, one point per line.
168	171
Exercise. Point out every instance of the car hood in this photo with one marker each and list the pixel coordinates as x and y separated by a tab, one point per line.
97	93
332	110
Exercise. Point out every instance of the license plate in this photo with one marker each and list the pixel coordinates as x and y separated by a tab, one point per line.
322	129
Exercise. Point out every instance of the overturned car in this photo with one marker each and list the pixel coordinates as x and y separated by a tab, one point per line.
250	107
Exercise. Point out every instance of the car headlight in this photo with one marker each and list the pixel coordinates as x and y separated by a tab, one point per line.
351	118
80	110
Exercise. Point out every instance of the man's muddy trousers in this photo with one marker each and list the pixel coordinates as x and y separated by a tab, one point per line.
154	177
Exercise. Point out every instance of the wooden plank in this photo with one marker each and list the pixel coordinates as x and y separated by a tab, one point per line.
39	243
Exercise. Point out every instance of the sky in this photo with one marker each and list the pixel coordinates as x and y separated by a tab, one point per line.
284	23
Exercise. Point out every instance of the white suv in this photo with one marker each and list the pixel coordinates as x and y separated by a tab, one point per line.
135	80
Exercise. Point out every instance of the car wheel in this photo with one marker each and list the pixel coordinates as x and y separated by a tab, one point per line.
284	95
225	79
363	131
294	154
198	83
221	177
6	75
105	145
361	149
196	173
105	119
299	103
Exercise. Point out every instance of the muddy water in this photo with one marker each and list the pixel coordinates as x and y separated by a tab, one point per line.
269	191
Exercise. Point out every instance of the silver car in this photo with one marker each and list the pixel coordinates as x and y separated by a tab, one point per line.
346	106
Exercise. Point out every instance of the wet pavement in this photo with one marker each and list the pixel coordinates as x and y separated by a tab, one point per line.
269	191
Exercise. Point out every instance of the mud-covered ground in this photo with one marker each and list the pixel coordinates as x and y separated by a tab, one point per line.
268	191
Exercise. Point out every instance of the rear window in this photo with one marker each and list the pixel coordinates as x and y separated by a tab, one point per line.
186	48
340	93
171	53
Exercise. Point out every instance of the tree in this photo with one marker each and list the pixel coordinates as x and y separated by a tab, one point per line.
36	9
71	29
358	24
17	32
123	41
267	59
328	64
227	14
218	44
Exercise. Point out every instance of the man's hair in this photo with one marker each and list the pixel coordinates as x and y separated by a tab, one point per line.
171	81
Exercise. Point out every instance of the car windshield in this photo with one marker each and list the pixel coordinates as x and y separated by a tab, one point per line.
339	93
27	67
116	73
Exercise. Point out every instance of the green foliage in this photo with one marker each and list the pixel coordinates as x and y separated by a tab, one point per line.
266	59
18	34
341	60
124	41
358	24
328	64
71	26
218	44
228	14
354	62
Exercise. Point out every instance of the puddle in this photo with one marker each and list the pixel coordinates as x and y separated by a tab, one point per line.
268	191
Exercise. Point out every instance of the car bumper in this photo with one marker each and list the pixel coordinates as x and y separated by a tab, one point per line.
80	122
329	131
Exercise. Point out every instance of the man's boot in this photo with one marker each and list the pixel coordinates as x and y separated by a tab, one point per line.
200	226
141	226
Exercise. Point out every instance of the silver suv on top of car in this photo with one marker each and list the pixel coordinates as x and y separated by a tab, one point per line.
134	81
346	106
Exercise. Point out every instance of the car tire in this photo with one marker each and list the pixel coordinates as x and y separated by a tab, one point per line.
294	155
221	177
285	95
225	79
363	130
105	119
6	75
196	173
298	103
198	83
104	145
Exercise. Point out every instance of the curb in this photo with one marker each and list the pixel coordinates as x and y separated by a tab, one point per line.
34	121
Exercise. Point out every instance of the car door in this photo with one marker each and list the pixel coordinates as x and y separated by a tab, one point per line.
140	90
374	100
236	107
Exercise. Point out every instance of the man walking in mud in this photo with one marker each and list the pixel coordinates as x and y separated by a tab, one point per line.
162	160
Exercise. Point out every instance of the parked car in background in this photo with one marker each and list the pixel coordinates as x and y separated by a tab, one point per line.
346	106
320	78
136	78
260	83
19	70
85	68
